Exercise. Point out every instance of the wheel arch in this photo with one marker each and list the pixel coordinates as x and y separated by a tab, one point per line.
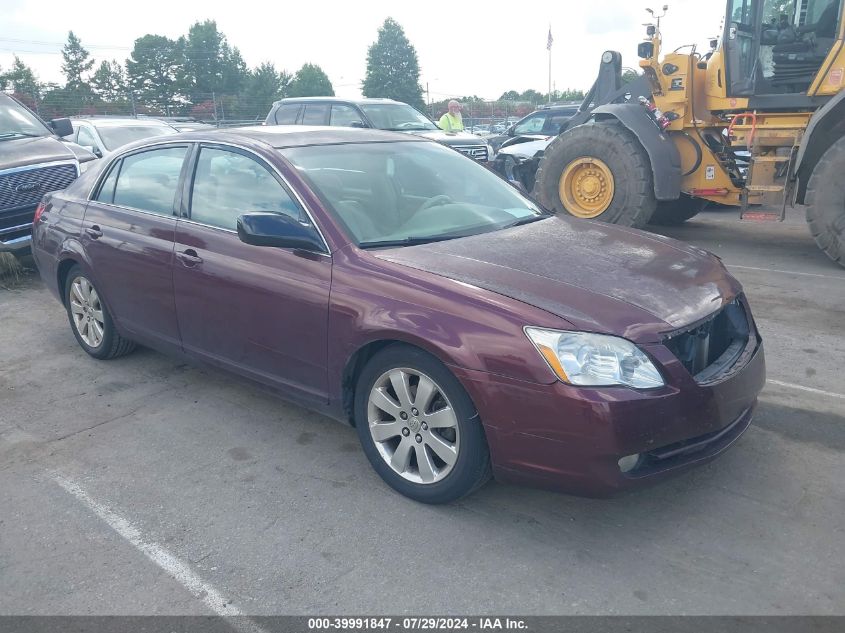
358	359
663	156
826	127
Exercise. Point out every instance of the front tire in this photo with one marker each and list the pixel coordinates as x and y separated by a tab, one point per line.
825	200
676	212
599	171
418	427
90	320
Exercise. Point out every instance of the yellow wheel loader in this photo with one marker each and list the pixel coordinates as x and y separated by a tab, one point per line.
757	122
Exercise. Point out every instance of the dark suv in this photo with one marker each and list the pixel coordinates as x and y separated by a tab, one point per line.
33	161
382	114
543	122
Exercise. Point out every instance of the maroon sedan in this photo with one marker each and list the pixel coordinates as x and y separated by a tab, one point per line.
397	285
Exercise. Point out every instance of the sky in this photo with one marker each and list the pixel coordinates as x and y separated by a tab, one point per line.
479	49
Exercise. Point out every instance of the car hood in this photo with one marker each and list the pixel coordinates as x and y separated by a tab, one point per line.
19	152
599	277
451	138
526	149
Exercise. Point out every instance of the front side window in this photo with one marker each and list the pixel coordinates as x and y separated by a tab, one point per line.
86	138
316	114
531	125
345	115
149	180
228	184
406	192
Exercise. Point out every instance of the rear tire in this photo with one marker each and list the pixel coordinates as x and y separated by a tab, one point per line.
618	151
675	212
404	431
90	320
825	200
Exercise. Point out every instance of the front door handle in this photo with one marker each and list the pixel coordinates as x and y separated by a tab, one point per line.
189	258
94	232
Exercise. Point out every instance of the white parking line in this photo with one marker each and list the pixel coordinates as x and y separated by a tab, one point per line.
787	272
159	555
807	389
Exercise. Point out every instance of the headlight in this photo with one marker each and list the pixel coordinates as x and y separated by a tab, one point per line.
595	360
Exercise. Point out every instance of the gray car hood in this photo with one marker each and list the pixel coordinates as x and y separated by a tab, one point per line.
597	276
19	152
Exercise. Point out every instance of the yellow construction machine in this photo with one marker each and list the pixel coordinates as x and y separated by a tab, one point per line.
757	122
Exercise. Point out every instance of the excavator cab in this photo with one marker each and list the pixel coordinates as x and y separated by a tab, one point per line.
777	47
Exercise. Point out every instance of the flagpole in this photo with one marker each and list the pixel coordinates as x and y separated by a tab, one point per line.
550	74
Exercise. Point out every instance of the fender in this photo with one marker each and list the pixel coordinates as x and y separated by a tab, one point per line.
827	125
663	155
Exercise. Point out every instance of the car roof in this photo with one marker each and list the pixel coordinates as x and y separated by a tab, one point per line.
282	136
362	101
119	121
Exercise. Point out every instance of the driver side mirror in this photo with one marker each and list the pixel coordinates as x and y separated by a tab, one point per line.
357	124
94	150
280	231
61	127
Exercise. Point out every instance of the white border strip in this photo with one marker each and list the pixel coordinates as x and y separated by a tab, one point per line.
785	272
159	555
820	392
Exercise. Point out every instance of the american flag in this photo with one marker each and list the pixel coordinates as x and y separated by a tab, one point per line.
550	41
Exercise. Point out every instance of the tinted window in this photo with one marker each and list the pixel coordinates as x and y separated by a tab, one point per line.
148	181
345	115
107	189
286	114
316	114
530	125
227	184
85	138
554	122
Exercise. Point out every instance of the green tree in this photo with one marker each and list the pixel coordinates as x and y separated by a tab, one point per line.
310	81
154	69
628	75
109	81
75	63
510	95
212	67
393	70
20	79
235	71
264	86
533	96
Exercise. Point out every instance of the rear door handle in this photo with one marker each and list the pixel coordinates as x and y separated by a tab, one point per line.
94	232
189	258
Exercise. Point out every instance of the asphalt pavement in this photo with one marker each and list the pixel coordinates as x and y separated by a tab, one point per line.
148	486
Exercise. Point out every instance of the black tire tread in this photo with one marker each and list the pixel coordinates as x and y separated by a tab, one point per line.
676	212
635	181
116	345
824	196
479	469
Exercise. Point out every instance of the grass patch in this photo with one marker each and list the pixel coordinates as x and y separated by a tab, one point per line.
11	271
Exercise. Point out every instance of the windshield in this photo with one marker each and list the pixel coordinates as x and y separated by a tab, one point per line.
114	137
389	194
16	121
397	117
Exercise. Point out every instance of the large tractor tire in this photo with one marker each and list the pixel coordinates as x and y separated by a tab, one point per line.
599	171
825	200
675	212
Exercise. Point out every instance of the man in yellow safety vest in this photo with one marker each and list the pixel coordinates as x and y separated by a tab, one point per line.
452	121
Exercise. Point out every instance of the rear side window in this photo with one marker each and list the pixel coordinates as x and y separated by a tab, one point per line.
106	193
286	114
531	125
316	114
148	181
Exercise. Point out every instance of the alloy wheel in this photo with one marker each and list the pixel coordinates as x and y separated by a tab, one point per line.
87	312
413	425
